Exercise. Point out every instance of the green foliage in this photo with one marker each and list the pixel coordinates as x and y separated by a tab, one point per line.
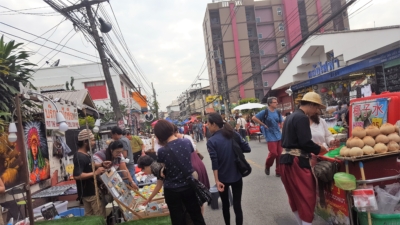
91	122
108	111
13	70
247	100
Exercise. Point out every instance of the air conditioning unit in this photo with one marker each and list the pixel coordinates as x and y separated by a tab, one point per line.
265	84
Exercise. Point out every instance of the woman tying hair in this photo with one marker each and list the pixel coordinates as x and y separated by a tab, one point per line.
223	164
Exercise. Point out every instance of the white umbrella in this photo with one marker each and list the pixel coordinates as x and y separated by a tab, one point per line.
249	106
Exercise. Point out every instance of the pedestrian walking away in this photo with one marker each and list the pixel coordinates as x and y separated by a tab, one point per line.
223	159
295	168
271	120
241	126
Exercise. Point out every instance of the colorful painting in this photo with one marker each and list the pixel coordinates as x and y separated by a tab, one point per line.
10	163
37	151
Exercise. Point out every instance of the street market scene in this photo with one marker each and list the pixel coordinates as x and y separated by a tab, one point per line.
293	117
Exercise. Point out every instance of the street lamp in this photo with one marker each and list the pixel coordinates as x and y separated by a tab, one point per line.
63	126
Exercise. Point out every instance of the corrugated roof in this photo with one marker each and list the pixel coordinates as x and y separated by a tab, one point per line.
79	96
57	87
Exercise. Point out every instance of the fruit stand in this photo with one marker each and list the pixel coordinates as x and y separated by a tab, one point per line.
371	155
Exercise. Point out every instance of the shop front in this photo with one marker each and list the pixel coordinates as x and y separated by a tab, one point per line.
340	67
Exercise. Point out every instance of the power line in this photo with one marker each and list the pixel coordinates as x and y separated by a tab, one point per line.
34	14
18	10
47	40
48	47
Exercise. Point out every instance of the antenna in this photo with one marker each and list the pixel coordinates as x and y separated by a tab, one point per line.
55	63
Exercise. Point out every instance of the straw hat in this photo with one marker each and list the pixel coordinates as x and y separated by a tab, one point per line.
314	98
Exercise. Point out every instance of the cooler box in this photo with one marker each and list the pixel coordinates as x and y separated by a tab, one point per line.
61	206
74	211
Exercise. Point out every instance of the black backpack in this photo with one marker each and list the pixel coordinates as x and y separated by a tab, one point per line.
266	116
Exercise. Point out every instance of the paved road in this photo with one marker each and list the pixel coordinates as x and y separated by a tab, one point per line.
264	198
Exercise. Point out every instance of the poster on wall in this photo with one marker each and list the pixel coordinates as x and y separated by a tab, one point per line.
372	112
11	164
37	151
69	112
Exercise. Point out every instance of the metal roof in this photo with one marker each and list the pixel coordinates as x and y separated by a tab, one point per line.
81	97
57	87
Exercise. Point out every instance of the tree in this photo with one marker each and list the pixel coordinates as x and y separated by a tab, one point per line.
14	69
91	122
109	114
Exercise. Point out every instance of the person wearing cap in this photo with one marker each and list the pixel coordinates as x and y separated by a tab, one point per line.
117	134
271	120
241	126
295	168
83	174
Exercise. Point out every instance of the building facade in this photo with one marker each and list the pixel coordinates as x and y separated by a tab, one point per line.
193	102
87	76
242	37
173	111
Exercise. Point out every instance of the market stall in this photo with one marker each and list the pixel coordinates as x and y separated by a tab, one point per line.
371	156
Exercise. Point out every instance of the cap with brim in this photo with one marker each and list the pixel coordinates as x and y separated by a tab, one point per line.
85	135
313	98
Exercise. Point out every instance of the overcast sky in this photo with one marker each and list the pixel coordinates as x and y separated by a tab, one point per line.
165	37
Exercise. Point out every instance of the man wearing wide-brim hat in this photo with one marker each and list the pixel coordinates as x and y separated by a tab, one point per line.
295	167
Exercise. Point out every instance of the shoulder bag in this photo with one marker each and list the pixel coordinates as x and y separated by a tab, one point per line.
242	165
202	193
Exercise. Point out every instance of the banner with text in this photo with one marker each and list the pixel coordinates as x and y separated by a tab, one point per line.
69	112
372	112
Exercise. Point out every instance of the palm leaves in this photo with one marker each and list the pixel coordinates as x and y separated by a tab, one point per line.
14	65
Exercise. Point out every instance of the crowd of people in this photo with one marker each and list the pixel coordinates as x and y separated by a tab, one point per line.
291	139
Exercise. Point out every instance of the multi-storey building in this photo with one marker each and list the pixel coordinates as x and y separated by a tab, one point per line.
243	37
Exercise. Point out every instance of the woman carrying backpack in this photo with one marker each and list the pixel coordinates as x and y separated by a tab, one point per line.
220	148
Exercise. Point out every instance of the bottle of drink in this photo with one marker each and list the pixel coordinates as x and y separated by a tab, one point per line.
11	221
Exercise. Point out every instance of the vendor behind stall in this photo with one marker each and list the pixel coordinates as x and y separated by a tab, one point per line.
295	166
320	133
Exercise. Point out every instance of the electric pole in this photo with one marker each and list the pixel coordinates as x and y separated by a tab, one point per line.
155	100
93	31
224	95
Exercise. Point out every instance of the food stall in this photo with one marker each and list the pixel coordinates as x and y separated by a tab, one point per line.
371	155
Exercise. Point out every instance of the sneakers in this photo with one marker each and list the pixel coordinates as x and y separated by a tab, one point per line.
267	171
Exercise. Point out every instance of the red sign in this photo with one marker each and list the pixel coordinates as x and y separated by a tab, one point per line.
336	210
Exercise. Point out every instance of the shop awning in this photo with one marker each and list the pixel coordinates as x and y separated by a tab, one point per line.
81	97
357	48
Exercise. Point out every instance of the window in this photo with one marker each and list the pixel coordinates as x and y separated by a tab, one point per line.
261	52
260	36
253	65
251	48
250	32
258	20
285	59
283	43
265	84
279	11
97	89
281	27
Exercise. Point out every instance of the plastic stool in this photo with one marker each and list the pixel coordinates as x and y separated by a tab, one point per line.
215	196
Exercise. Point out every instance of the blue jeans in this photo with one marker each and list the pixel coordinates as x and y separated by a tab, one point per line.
131	169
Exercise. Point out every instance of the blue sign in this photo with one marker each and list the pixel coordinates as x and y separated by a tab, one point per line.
320	68
373	61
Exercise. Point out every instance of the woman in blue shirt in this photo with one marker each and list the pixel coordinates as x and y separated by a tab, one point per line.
223	164
177	192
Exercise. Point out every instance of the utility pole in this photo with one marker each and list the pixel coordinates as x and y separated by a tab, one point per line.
93	31
155	100
200	91
224	95
188	102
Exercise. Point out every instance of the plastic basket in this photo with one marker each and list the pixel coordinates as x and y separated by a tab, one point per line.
74	211
379	219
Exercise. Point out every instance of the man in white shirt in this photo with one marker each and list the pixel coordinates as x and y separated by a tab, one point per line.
241	126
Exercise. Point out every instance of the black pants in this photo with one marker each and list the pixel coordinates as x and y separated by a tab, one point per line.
243	133
176	201
136	156
237	188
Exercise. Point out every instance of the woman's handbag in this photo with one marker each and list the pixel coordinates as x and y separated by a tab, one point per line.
242	165
202	193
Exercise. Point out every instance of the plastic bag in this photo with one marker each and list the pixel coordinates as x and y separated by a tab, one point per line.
393	189
345	181
365	200
386	202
